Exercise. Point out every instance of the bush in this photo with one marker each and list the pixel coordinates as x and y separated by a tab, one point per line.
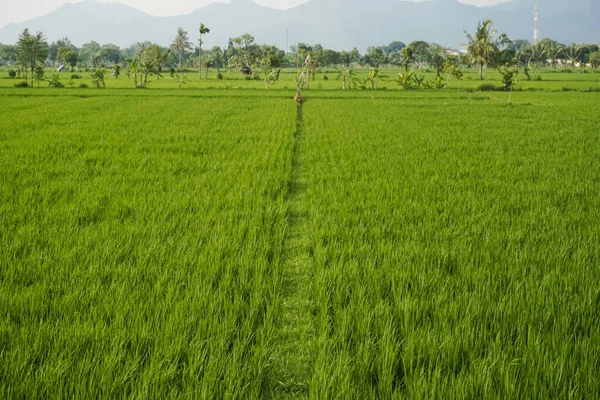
537	78
487	87
21	84
325	78
75	76
54	82
220	76
83	86
12	73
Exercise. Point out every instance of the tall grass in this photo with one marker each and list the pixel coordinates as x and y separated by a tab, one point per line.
140	245
456	248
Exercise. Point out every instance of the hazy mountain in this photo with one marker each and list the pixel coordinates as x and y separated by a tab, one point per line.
340	24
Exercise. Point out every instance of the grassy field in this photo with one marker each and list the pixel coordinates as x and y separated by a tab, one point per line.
210	243
541	80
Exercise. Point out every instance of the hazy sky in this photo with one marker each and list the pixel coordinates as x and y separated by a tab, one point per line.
23	10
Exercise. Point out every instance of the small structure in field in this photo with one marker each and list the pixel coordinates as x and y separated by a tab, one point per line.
62	68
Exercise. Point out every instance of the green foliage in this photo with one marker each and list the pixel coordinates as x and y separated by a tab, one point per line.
595	59
406	79
509	75
98	77
486	87
39	74
12	73
54	81
116	71
21	84
485	45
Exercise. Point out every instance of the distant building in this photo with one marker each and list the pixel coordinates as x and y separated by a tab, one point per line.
454	52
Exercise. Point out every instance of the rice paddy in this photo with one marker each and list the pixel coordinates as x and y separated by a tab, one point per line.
218	242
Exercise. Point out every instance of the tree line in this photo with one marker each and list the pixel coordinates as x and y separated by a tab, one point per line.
484	48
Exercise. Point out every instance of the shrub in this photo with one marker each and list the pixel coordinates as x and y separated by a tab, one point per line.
220	76
538	78
21	84
487	87
12	73
83	86
54	82
75	76
325	78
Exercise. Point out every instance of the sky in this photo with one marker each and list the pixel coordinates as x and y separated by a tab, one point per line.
23	10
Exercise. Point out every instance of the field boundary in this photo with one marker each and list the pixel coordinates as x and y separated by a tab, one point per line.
293	353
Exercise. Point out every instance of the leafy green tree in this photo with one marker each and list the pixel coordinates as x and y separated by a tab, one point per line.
218	56
88	54
55	46
116	71
420	51
484	45
452	69
98	76
181	44
109	54
394	47
32	51
203	30
408	57
8	53
67	56
437	58
595	59
509	75
354	55
39	74
375	56
247	50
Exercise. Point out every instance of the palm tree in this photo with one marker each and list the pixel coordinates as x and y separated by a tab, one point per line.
203	31
484	45
539	53
554	50
573	52
181	43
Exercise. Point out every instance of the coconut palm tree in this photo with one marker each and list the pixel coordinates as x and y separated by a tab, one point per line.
573	52
203	31
484	45
554	50
181	43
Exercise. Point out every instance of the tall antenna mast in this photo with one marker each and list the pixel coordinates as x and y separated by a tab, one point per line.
536	18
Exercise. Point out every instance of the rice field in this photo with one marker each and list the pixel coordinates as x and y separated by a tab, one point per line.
364	245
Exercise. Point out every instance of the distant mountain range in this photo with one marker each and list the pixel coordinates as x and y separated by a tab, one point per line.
338	24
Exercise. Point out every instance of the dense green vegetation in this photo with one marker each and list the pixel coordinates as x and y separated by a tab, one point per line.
227	243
